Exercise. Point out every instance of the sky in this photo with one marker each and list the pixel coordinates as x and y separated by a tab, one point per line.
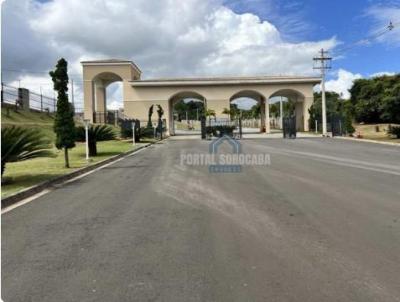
170	38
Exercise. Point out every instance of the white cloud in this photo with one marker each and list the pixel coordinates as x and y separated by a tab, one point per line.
344	79
165	38
382	73
343	82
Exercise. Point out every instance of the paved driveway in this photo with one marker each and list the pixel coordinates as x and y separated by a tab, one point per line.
321	223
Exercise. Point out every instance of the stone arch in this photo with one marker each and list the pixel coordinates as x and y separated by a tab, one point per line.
258	97
302	105
178	96
97	75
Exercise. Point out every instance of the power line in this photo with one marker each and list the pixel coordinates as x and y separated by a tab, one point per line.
34	71
391	26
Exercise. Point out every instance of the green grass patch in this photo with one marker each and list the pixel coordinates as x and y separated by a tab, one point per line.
369	131
24	174
36	120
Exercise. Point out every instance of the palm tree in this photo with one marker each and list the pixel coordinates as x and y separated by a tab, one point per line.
19	144
209	113
97	133
227	112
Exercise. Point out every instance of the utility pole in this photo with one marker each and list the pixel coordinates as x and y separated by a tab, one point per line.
323	63
41	100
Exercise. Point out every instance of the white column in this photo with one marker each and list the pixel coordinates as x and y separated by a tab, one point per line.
267	125
280	113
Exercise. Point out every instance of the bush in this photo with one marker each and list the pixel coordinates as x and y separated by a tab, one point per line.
126	129
96	133
394	130
19	144
348	125
146	132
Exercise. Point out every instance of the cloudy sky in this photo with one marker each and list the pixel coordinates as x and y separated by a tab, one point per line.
198	37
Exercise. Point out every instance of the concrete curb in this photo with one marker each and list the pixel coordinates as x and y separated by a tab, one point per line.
367	141
10	200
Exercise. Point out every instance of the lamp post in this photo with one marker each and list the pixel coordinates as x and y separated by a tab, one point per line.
87	122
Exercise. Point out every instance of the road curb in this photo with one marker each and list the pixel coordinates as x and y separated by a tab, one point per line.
26	193
367	141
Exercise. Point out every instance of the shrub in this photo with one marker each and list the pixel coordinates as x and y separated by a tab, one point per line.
146	132
126	129
19	144
348	125
96	133
394	130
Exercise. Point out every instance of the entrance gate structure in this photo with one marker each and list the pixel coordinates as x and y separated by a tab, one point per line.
139	95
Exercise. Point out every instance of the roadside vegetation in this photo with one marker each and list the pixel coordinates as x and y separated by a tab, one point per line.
372	112
39	146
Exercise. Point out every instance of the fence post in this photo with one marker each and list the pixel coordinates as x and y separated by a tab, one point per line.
41	100
2	96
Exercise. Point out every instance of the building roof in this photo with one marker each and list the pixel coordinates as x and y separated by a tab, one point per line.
111	62
206	81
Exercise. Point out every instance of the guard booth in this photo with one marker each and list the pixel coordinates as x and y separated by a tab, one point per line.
289	127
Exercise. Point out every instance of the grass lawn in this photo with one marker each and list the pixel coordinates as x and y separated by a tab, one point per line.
369	132
36	120
24	174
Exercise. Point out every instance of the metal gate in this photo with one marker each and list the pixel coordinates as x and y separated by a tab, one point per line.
289	127
217	128
337	125
203	127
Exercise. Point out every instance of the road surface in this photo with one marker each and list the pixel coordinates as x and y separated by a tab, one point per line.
321	223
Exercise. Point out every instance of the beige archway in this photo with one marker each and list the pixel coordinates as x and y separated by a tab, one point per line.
139	95
260	99
97	75
176	97
302	104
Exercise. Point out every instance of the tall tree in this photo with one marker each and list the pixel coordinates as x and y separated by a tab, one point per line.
149	124
64	125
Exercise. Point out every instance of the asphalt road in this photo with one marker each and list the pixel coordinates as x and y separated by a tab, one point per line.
321	223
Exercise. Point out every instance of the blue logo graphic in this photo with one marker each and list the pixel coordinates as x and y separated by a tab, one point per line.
224	167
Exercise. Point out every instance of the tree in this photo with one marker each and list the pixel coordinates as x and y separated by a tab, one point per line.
19	144
274	109
333	103
149	124
227	112
64	125
376	100
210	112
97	133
